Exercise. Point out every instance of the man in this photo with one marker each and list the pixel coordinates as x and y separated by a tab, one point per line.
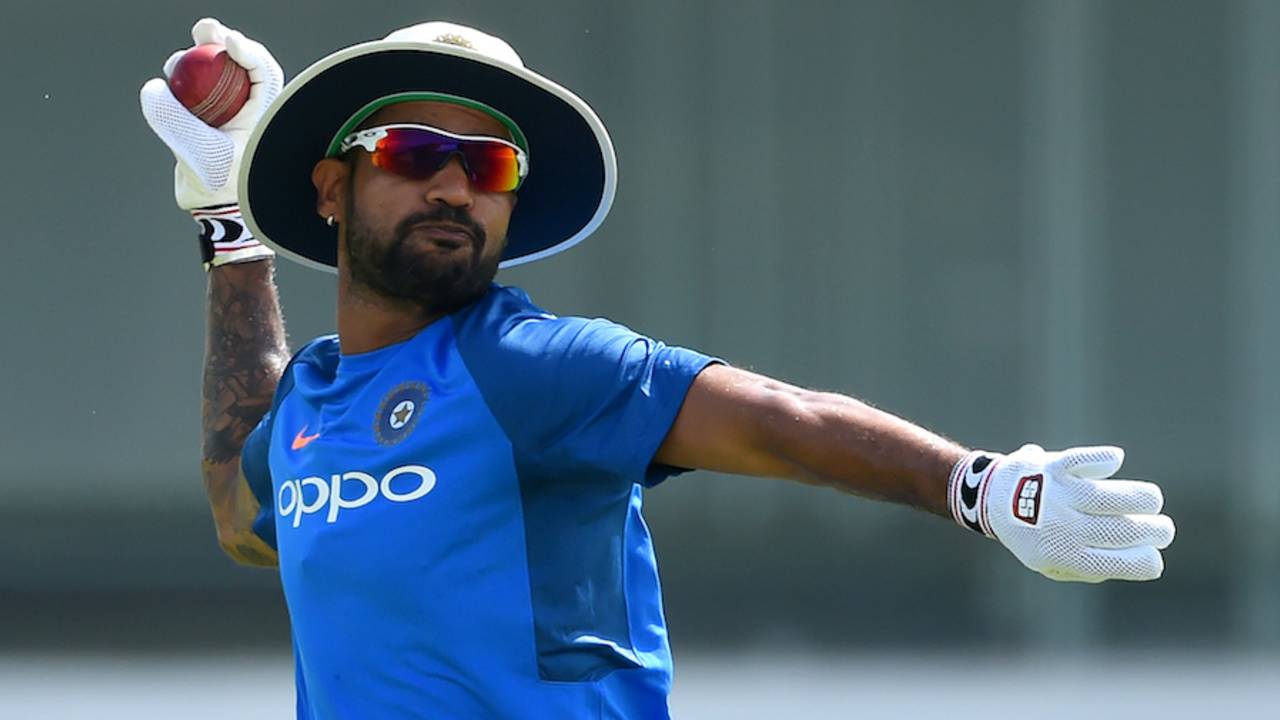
451	485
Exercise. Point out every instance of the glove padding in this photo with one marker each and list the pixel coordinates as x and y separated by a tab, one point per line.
209	158
1060	513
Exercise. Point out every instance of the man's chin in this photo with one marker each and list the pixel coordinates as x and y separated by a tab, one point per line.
445	282
456	298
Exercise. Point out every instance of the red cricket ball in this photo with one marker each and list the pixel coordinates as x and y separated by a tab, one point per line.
210	84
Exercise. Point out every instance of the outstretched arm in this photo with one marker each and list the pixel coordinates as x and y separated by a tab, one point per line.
739	422
1059	513
245	353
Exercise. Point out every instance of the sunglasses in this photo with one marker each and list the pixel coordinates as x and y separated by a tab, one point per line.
419	151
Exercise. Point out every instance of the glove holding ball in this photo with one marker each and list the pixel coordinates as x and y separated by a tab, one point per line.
1062	514
204	109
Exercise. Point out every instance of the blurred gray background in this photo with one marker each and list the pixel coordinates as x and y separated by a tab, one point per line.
1006	220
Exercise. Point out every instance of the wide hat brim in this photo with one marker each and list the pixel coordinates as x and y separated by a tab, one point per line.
572	166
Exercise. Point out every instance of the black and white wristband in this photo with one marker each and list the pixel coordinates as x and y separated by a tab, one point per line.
967	490
225	239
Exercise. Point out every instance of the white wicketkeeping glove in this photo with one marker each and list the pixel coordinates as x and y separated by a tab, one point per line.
1060	513
209	158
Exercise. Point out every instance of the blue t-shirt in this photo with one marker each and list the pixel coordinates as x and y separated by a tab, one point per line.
458	517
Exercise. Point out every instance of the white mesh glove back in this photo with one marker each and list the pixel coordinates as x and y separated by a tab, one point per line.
209	158
1060	513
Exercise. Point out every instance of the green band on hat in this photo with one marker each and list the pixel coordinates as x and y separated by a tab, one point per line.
363	114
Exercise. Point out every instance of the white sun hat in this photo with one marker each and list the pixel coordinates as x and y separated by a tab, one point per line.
573	169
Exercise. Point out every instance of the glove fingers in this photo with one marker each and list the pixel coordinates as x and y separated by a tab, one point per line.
208	30
1133	564
1113	497
1095	462
248	54
1117	532
265	74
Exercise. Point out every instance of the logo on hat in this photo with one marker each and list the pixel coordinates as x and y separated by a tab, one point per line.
399	411
454	39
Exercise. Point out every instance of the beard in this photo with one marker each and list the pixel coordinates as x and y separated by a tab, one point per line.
394	268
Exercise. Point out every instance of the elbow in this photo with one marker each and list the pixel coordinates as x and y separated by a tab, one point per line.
793	415
787	423
245	547
810	435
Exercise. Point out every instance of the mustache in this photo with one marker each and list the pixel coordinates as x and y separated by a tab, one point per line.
444	215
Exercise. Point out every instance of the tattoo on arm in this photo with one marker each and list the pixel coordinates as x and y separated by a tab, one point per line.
245	353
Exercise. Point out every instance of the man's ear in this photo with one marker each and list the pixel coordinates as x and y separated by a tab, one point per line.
330	176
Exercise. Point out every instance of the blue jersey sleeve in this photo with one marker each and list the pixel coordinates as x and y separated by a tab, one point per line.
255	455
575	393
254	464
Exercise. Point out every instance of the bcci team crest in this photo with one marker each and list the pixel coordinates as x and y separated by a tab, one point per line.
398	414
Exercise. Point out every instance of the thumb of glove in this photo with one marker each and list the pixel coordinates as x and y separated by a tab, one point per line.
1093	463
204	151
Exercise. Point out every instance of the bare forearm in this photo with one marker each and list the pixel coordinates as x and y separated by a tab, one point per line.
739	422
245	353
846	444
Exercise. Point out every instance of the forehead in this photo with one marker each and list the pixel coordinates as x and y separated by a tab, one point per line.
446	116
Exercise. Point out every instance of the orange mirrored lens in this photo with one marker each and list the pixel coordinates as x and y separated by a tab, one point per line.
417	153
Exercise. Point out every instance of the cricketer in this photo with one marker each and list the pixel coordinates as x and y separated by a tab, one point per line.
451	485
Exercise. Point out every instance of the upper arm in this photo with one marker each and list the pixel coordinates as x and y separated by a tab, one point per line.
732	421
240	498
244	543
235	512
575	393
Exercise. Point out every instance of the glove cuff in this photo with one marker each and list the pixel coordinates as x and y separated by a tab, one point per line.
225	239
967	490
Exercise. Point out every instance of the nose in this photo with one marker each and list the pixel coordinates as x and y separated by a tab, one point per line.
450	185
